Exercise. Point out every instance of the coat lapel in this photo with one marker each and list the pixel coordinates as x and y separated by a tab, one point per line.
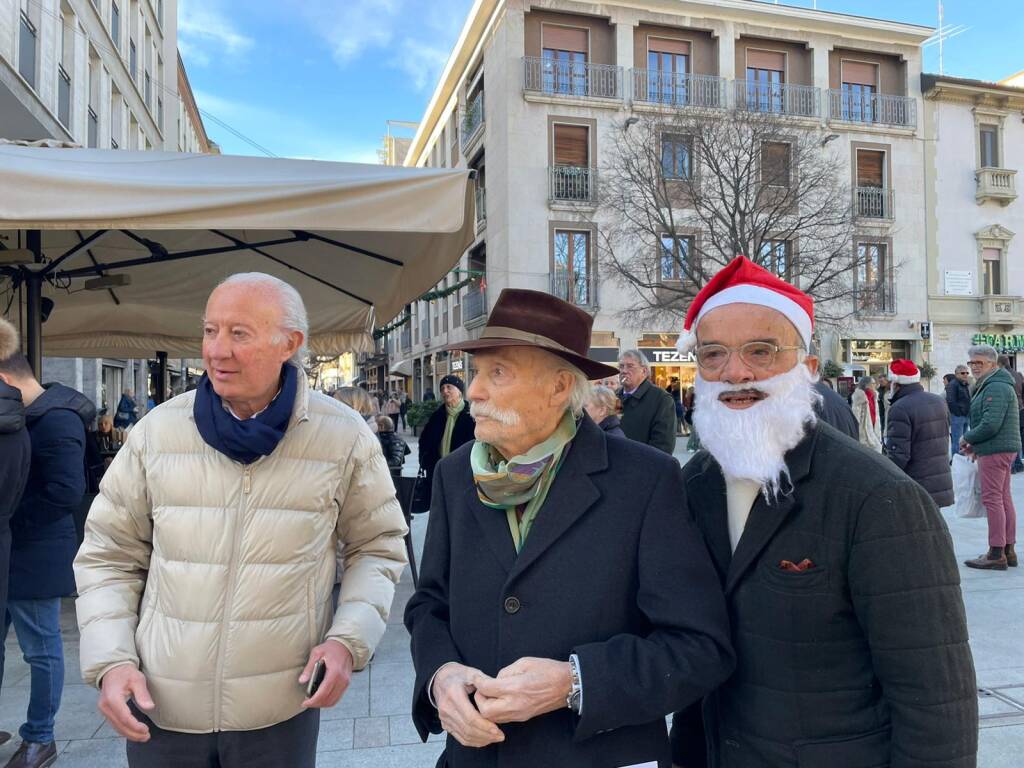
765	518
705	496
571	495
494	525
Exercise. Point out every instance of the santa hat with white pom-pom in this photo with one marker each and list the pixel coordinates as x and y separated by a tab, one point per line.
744	282
904	372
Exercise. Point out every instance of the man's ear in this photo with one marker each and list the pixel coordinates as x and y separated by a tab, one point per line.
561	387
812	364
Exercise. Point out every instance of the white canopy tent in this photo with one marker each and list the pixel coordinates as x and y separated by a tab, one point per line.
128	245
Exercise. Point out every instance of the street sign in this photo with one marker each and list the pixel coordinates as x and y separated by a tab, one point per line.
926	330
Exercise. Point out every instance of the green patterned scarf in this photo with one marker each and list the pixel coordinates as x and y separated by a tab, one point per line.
522	481
449	427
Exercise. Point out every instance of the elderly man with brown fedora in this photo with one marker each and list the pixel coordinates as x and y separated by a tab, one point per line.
565	605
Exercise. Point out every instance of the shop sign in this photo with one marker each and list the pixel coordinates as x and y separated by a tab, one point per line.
458	365
668	356
1003	342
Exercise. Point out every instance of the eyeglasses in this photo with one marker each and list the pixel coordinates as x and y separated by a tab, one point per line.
754	354
975	363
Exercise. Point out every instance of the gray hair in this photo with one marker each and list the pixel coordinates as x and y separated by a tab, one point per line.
581	384
293	310
865	382
986	351
635	354
604	397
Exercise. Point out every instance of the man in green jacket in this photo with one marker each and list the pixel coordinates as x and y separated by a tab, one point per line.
648	412
994	439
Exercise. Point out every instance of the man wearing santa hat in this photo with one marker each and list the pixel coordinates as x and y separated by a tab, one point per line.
842	587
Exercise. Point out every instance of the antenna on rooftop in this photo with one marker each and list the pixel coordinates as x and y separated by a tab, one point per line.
942	34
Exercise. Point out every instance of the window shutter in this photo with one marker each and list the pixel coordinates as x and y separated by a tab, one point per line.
860	73
668	45
775	163
773	60
572	145
870	168
991	254
565	38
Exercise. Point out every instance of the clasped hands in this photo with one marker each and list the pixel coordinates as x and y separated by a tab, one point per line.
525	689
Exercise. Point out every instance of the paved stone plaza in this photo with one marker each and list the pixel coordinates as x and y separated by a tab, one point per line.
371	727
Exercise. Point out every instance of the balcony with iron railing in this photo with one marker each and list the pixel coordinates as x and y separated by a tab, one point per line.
872	108
571	79
995	185
877	298
481	207
678	89
777	98
572	184
873	203
474	306
473	122
575	288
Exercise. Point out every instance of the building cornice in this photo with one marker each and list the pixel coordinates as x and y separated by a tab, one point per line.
978	93
185	92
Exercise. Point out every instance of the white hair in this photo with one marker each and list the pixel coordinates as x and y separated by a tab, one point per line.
580	391
293	310
986	351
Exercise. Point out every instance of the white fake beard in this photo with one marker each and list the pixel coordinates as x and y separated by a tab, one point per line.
751	444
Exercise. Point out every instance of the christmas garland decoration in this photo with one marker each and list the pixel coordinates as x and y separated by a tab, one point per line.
440	293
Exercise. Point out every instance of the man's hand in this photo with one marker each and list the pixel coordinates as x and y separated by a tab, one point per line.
452	686
524	690
117	686
338	662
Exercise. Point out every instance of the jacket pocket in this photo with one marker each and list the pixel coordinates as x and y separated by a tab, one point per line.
870	750
812	580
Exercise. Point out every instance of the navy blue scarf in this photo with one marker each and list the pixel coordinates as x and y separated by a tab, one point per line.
245	440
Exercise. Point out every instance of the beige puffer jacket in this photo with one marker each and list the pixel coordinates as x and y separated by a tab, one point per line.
234	565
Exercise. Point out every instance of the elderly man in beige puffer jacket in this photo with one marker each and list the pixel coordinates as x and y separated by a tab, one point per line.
206	574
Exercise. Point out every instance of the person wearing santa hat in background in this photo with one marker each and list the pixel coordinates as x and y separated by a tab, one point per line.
839	573
917	432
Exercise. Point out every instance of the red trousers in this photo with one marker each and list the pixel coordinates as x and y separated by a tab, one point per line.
994	471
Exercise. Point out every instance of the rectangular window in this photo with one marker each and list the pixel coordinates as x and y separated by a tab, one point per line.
149	90
133	61
766	79
63	97
565	60
668	63
674	257
874	279
992	262
676	156
989	146
160	113
115	25
570	278
775	257
572	145
870	168
94	129
775	164
27	50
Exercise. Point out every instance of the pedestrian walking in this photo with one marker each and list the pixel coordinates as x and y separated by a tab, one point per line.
916	435
994	440
688	398
15	452
394	448
43	545
548	629
865	411
676	391
884	393
392	407
602	407
403	409
206	574
449	427
958	403
648	413
127	411
838	570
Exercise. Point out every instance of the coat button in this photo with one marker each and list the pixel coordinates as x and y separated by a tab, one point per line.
512	605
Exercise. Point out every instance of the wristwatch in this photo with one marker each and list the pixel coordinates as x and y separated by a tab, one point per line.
574	700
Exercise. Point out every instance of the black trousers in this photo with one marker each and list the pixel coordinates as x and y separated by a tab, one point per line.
291	744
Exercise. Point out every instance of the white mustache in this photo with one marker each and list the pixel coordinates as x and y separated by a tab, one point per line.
507	418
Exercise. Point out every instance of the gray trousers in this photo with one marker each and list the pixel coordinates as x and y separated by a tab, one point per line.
291	743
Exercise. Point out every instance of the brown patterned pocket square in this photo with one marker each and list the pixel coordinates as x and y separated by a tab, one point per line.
803	565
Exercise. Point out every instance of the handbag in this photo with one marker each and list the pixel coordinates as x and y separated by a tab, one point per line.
967	487
421	494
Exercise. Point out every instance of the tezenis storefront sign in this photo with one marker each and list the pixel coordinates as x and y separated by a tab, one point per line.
1003	342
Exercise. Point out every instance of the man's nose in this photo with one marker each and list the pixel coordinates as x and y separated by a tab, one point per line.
474	392
736	371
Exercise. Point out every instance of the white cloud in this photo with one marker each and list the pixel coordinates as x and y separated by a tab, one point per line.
205	32
352	27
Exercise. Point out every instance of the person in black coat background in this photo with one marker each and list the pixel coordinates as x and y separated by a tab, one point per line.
394	448
453	405
835	411
958	401
44	543
917	433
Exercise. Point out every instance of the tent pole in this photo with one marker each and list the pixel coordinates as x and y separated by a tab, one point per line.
161	377
34	307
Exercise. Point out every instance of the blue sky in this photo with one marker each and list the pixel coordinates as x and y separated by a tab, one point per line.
319	78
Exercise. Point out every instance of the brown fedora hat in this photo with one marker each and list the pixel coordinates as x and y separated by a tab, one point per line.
522	318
